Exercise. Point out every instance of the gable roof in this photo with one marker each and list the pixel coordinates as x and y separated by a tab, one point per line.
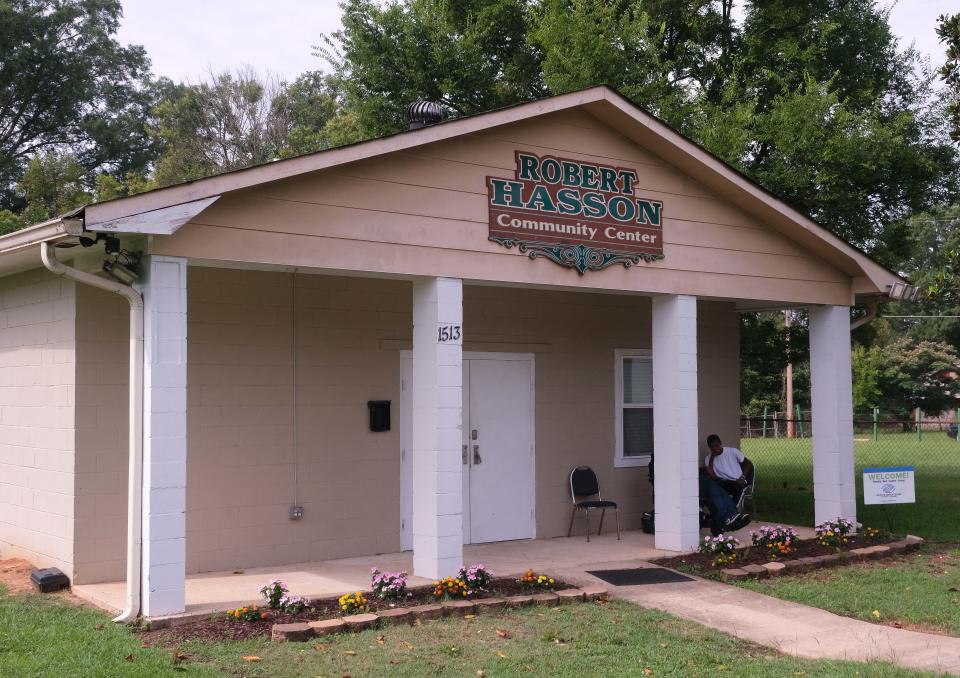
604	103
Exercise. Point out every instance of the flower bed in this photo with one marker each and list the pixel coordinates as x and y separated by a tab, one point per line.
721	556
224	627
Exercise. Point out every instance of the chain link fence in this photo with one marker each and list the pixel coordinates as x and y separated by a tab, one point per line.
782	450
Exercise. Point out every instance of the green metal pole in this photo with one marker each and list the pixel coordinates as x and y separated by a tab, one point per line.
956	420
876	416
764	422
799	421
919	435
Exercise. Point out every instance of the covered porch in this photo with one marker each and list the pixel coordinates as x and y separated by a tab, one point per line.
566	558
256	391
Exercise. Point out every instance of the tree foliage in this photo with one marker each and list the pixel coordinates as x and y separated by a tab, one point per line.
67	85
238	120
948	30
934	267
905	374
470	56
766	346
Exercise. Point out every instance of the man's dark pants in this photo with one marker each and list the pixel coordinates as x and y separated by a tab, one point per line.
716	493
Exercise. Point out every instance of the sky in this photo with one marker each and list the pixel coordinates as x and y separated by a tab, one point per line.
186	39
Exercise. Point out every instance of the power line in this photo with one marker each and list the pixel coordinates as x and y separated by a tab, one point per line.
920	316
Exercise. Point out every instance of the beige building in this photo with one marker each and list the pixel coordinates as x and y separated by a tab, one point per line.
532	289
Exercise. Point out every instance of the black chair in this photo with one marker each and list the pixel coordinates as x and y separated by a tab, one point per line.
583	485
739	498
746	494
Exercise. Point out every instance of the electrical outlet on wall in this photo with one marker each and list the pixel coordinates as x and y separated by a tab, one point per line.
296	512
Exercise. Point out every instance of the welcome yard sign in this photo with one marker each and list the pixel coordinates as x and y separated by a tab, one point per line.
889	485
579	214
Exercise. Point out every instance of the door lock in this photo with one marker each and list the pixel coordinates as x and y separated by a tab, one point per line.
476	455
473	434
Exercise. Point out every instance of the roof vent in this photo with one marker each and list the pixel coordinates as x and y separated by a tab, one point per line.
423	113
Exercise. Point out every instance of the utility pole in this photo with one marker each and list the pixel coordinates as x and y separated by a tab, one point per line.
789	388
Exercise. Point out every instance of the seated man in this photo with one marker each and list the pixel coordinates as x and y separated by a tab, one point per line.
724	473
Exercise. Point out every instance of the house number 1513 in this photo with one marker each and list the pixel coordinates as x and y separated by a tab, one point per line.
447	334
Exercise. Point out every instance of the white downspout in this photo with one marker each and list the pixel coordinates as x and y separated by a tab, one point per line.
135	477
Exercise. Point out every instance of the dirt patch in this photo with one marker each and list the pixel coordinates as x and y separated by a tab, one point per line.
15	577
920	628
217	627
757	555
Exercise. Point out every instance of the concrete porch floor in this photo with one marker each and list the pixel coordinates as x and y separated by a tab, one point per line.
561	556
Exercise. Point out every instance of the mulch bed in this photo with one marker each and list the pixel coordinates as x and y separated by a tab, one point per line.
217	627
755	555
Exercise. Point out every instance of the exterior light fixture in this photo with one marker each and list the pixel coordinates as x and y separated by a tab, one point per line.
903	291
120	273
123	267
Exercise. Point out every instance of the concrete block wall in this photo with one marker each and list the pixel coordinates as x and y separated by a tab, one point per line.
349	335
573	337
37	397
240	426
718	376
103	336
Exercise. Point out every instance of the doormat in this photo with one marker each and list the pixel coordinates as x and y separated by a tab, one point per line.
639	575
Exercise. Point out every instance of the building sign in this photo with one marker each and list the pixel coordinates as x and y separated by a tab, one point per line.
578	214
892	485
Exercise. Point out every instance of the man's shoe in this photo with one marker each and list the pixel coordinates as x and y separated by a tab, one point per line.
743	522
734	522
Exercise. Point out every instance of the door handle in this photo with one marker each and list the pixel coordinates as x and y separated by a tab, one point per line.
476	455
465	456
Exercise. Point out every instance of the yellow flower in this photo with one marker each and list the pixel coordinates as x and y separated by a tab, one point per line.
876	614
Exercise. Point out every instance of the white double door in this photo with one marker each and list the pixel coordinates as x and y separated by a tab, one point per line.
498	448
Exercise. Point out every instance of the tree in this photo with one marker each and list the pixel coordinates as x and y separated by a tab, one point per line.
65	82
237	120
766	346
867	364
934	267
52	184
948	31
832	118
317	115
470	56
904	375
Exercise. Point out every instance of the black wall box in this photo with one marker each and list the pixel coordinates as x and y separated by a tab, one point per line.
49	579
379	415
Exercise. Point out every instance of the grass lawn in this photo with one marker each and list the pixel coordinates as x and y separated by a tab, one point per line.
919	591
785	481
45	637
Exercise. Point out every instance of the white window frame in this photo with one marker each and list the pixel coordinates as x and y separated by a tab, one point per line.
619	460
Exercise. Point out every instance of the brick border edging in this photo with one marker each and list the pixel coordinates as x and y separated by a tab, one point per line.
776	568
183	618
301	632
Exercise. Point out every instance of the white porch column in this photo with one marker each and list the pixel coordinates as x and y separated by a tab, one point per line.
437	427
831	392
676	441
164	436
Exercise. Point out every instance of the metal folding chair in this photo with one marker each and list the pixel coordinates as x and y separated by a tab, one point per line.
584	484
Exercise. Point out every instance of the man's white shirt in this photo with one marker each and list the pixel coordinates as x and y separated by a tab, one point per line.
727	464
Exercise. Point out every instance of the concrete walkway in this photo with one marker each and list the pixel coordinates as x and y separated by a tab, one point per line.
789	627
